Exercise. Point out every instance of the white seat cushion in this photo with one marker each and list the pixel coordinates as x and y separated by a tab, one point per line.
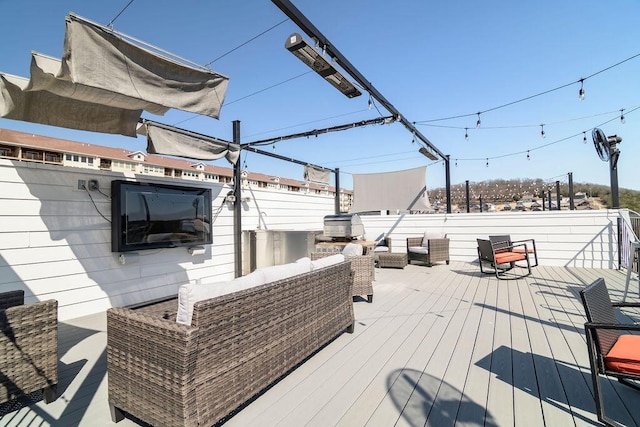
381	249
419	250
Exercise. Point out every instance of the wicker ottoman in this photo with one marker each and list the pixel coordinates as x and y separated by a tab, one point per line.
392	260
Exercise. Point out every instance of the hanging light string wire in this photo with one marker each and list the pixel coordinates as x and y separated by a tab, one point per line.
544	145
110	24
247	42
529	97
524	125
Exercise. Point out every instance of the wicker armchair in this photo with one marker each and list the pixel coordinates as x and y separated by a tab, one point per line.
362	267
28	347
428	249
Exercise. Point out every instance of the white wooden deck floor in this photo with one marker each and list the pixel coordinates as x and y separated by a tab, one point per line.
438	346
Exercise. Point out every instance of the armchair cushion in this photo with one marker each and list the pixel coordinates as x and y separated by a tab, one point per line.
624	356
419	250
431	235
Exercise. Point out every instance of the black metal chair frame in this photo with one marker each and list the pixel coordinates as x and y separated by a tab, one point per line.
602	330
487	253
505	240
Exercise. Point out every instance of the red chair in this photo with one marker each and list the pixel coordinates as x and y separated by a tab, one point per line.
505	240
611	352
501	257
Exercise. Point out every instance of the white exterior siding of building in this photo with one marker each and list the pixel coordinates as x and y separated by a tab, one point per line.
54	243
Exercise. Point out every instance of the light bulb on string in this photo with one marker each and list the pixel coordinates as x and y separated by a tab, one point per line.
478	123
581	91
456	162
466	134
274	147
487	164
370	103
528	156
622	120
584	137
542	134
413	138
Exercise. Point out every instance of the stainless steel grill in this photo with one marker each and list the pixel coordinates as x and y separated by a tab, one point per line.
343	226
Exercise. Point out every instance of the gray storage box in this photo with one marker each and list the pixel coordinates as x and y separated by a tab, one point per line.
343	225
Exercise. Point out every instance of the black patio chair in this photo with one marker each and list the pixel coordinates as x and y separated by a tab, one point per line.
611	352
501	257
505	240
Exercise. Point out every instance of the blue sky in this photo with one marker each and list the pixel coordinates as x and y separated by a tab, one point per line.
431	60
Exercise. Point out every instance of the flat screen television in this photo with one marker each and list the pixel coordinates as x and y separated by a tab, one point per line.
150	216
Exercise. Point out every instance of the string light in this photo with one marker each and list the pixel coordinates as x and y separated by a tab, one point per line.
466	134
581	91
542	134
413	138
487	165
456	162
478	122
528	156
370	103
584	137
622	120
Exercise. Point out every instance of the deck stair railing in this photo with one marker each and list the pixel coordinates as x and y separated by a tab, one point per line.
630	246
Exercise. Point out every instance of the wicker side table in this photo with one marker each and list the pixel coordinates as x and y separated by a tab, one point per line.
392	260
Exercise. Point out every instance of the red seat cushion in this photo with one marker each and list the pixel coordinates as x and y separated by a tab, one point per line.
505	257
521	250
624	356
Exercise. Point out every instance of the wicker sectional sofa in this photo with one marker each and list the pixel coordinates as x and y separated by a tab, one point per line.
171	374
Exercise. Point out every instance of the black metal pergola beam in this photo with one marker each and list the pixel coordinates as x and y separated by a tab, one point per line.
307	26
316	132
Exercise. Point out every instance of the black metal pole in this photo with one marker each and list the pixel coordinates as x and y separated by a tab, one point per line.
337	201
237	205
448	182
613	161
572	205
481	203
544	206
558	193
467	195
549	194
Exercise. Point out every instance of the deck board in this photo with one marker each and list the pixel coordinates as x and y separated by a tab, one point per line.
439	346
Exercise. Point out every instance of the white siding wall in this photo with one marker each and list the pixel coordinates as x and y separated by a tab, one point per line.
55	244
563	238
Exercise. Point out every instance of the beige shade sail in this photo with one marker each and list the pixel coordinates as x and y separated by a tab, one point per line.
50	109
403	190
44	72
97	57
173	142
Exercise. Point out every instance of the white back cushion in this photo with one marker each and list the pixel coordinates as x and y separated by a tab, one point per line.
191	293
279	272
431	235
352	249
306	261
326	261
